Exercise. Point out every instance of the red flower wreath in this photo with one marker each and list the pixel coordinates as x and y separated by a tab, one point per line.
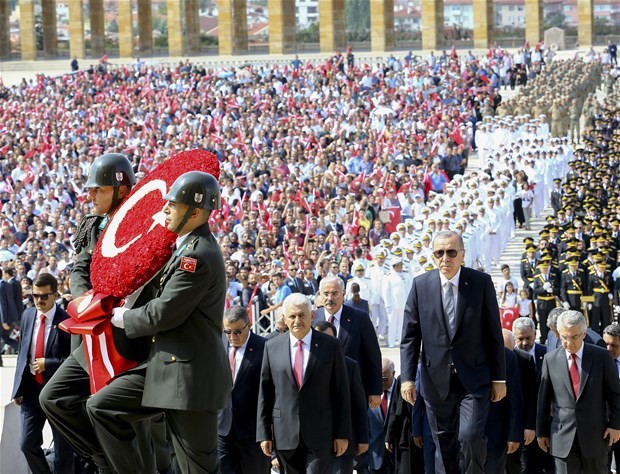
136	244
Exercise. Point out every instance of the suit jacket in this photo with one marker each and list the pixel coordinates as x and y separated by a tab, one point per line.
529	387
539	352
239	416
187	367
477	348
295	284
17	295
505	418
560	416
359	406
378	429
57	349
360	343
319	411
8	311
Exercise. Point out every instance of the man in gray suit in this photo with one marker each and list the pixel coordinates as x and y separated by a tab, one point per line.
304	405
187	375
578	415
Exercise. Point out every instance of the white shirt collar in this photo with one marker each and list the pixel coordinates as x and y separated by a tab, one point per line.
180	240
579	353
454	280
336	315
49	316
307	339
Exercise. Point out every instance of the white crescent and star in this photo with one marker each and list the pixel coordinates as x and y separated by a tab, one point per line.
108	245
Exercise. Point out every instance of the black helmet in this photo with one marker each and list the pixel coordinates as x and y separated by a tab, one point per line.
196	189
111	169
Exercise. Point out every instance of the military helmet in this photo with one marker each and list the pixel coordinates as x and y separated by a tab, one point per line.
196	189
111	169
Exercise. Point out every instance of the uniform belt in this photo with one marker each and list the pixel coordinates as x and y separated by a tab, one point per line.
600	290
545	298
574	292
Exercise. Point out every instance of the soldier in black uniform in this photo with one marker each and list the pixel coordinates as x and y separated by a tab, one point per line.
187	375
601	287
63	399
546	289
572	285
556	196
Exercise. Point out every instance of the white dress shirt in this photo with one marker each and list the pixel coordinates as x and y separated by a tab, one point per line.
49	318
293	342
578	359
336	318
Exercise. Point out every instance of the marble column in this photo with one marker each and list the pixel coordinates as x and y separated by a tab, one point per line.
77	48
382	36
233	26
534	21
5	32
432	24
145	27
97	28
125	29
175	28
26	30
585	23
192	25
483	23
332	31
282	26
50	33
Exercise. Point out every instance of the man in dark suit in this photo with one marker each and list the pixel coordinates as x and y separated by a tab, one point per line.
611	335
8	316
530	458
505	422
239	452
454	311
358	442
9	275
43	347
380	459
578	402
304	408
295	283
187	375
357	334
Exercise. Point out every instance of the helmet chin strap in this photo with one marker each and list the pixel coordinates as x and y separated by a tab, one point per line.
114	200
184	220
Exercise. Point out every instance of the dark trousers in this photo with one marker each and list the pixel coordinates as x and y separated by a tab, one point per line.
579	462
615	453
543	308
529	459
241	456
115	409
600	317
63	399
342	464
31	439
496	461
304	460
457	424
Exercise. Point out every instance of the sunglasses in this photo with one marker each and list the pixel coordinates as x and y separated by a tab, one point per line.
42	296
451	253
235	332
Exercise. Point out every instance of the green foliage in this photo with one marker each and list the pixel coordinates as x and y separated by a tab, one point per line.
310	34
555	20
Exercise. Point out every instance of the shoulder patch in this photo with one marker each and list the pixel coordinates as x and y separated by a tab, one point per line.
188	264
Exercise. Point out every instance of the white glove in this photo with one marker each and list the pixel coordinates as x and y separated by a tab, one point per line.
117	317
617	309
565	305
532	286
589	306
610	296
547	286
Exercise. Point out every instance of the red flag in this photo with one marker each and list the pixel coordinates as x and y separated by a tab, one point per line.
394	213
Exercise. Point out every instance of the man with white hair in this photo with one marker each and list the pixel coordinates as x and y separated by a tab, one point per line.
578	415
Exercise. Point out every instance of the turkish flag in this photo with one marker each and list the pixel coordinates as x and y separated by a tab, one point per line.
508	316
394	213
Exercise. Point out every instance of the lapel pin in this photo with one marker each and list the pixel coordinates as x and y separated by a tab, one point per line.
251	349
316	345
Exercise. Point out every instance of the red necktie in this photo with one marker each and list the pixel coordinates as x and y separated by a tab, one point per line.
574	375
232	359
331	319
39	348
384	405
298	366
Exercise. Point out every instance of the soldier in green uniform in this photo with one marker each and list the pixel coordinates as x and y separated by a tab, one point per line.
63	399
187	375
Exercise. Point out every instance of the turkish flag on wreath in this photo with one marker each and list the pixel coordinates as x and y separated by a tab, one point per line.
134	246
